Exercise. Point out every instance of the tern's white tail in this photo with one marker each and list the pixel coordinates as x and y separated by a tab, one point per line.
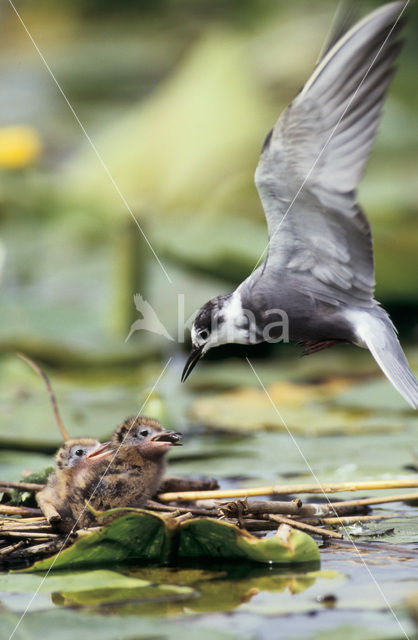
376	331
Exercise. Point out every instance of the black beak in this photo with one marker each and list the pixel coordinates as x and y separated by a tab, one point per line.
174	437
192	360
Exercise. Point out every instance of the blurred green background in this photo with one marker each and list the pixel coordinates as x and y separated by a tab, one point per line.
177	97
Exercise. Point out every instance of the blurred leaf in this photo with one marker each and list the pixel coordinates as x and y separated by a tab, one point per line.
15	465
197	141
147	599
74	581
303	408
208	114
226	253
73	624
373	395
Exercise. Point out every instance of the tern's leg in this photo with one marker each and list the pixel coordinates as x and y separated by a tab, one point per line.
311	346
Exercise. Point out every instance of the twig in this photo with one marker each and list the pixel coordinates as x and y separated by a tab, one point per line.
22	521
330	487
19	511
297	524
182	517
253	524
24	486
46	548
11	547
347	519
15	525
404	497
51	393
28	534
256	507
156	506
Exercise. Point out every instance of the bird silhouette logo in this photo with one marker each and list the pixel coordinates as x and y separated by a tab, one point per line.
149	321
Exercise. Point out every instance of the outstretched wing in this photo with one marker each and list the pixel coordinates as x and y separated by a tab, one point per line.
313	159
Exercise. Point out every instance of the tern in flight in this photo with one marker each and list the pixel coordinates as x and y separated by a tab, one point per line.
319	270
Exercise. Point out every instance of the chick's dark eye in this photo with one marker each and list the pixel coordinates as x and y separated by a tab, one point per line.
79	452
144	433
204	334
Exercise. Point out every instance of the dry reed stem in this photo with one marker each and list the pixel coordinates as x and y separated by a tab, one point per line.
325	487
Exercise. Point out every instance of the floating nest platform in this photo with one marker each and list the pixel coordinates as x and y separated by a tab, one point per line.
26	537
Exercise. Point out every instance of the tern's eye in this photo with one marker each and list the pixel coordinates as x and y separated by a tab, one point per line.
79	452
144	433
204	334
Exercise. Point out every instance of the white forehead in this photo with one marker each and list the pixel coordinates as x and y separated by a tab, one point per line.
193	334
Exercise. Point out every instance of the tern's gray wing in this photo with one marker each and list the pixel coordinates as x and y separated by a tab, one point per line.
314	157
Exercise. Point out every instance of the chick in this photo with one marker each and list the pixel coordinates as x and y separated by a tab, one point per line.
74	461
133	475
141	444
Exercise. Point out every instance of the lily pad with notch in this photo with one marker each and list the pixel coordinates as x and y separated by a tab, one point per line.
145	536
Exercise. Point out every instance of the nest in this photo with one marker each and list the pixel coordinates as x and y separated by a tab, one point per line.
26	536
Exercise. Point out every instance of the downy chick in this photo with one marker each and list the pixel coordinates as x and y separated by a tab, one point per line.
141	444
134	473
74	461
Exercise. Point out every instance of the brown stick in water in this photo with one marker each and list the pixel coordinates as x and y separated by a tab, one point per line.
51	393
297	524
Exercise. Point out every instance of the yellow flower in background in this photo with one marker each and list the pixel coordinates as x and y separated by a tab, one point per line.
20	146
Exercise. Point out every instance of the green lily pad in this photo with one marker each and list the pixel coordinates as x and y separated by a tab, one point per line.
89	589
213	539
136	535
77	624
142	535
396	530
374	395
307	409
74	581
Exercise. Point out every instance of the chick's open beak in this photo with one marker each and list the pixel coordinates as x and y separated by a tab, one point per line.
173	437
192	360
100	453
